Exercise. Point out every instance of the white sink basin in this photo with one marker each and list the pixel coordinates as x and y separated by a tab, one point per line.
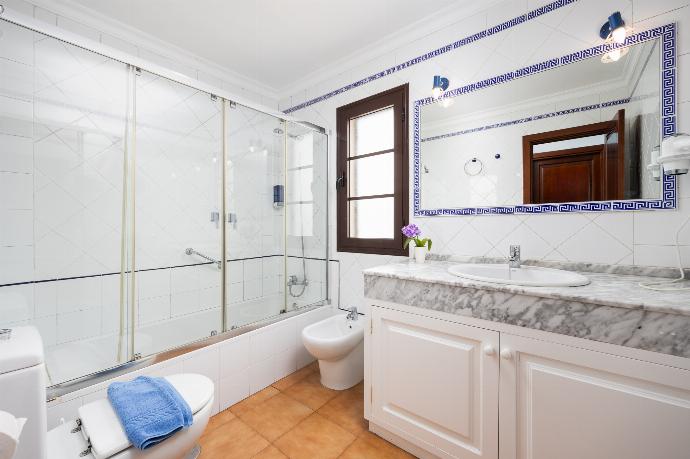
526	275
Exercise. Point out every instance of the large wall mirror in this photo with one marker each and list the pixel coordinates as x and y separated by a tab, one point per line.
579	133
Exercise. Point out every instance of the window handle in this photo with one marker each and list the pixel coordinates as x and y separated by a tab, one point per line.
340	181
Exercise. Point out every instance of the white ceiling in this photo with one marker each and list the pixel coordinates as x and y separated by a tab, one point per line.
274	42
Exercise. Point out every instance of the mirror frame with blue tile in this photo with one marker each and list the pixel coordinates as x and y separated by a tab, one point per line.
667	34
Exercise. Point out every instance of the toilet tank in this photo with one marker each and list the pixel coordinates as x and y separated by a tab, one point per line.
23	388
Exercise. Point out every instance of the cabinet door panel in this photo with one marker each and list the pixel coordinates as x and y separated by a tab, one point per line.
432	380
573	403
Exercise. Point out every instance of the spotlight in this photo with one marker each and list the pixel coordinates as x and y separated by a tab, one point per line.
614	28
440	85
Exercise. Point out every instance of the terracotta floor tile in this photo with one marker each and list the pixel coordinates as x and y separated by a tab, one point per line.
270	453
370	446
275	416
218	420
254	400
359	388
310	392
347	410
233	440
315	438
293	378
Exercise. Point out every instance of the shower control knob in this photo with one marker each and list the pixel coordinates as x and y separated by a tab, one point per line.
489	350
506	354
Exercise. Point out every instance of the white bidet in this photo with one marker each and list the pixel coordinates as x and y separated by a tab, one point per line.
338	344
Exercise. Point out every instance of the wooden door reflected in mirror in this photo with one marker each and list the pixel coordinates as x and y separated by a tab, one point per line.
576	164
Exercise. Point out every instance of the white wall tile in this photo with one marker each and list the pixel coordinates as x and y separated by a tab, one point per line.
184	303
154	283
234	389
78	294
261	346
252	269
47	327
285	363
252	289
73	326
16	227
16	190
17	154
154	309
16	303
22	49
261	375
17	264
234	356
205	362
45	299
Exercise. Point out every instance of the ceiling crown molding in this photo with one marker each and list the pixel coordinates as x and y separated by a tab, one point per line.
104	24
417	30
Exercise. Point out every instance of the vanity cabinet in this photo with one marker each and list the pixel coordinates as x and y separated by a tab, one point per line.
435	381
565	402
449	389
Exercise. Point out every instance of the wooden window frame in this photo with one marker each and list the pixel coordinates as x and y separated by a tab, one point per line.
397	97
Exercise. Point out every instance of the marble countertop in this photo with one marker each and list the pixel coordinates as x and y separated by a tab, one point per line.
616	290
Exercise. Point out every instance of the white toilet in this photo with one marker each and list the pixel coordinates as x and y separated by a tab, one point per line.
98	434
338	344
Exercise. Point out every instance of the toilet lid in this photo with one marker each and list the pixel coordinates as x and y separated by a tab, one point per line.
102	427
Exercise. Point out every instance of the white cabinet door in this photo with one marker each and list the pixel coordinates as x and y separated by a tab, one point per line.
435	383
569	403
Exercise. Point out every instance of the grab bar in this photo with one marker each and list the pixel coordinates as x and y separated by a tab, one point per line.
191	251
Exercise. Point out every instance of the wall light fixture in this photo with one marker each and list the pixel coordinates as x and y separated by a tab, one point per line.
614	28
440	85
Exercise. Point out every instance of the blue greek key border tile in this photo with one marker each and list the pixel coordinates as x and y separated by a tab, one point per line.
667	33
528	119
435	53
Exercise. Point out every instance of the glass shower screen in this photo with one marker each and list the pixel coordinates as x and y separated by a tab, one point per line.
120	190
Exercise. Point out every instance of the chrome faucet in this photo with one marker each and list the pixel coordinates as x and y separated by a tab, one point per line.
352	315
514	258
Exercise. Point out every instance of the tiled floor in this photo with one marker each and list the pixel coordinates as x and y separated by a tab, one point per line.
296	418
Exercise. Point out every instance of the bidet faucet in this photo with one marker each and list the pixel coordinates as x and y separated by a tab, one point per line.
352	315
514	258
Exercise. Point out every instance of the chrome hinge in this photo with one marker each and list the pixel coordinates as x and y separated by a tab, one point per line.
137	71
232	104
214	332
137	356
87	451
77	428
214	97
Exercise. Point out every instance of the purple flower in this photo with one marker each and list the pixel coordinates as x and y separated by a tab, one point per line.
411	231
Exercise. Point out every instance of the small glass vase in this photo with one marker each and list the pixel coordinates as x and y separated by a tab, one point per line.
420	254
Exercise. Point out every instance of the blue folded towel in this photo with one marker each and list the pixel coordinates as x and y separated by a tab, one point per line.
150	410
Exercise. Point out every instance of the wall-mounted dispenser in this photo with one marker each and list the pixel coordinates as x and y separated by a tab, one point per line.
675	154
654	167
278	196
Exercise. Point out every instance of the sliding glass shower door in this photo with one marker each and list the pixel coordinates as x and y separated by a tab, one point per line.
129	203
255	236
177	226
62	170
306	216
